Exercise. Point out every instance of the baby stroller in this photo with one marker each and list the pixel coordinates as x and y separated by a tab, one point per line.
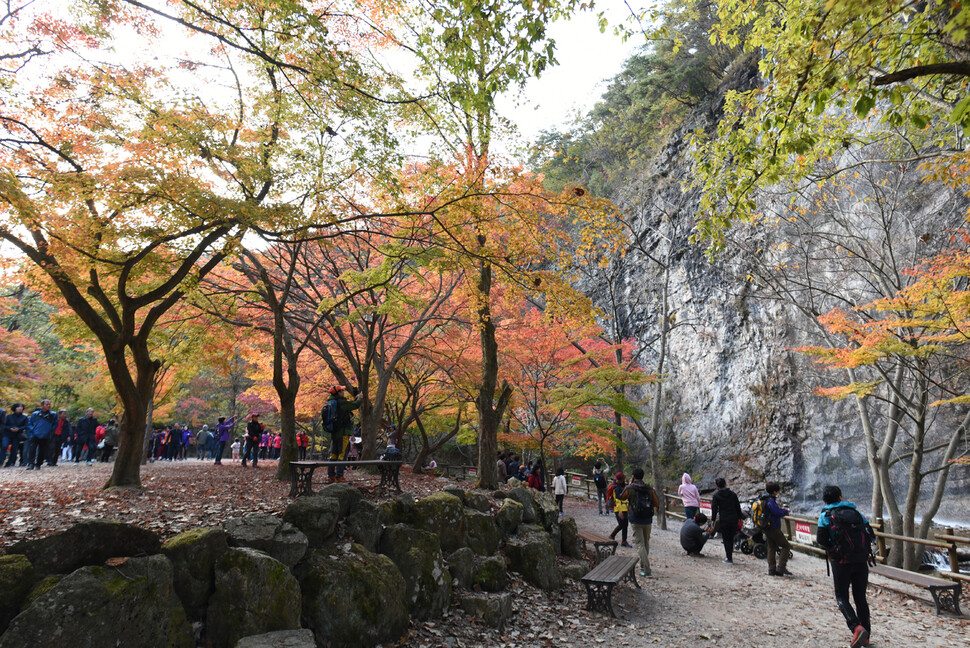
750	540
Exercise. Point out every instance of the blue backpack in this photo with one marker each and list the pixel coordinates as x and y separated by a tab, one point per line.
331	417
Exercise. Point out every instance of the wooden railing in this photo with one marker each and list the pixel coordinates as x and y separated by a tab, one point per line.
945	540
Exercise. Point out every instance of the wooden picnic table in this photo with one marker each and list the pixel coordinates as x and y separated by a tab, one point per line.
303	473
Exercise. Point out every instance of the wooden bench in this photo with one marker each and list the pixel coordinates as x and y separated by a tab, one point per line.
603	546
303	473
946	594
601	580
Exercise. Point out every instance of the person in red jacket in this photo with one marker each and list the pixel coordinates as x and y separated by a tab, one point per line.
302	442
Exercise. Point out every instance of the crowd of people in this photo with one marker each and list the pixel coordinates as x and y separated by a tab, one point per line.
44	436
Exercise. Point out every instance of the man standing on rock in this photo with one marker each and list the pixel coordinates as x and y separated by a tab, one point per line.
777	542
847	538
643	502
339	423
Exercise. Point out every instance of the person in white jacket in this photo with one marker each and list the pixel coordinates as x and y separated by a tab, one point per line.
559	486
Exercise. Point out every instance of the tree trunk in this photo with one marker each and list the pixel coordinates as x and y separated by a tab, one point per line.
135	396
489	415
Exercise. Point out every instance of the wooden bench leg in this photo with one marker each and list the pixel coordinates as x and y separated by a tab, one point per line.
599	597
946	598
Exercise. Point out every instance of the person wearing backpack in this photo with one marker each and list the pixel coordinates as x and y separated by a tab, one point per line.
642	500
339	423
847	538
778	545
725	514
600	481
619	508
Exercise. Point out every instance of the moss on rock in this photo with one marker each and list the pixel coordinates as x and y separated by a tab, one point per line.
490	573
443	515
417	555
16	579
194	555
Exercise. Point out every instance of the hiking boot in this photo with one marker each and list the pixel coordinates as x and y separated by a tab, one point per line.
784	572
340	480
772	572
860	637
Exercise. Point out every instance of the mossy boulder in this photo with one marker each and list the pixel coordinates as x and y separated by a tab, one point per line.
40	588
315	516
457	491
16	579
531	555
575	570
461	564
572	545
493	609
132	604
399	510
417	555
269	534
280	639
555	537
499	495
483	535
443	515
89	542
478	500
345	494
194	555
547	511
509	516
254	594
353	598
490	573
525	497
364	524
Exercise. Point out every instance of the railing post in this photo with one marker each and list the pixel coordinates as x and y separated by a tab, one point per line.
880	541
787	527
954	558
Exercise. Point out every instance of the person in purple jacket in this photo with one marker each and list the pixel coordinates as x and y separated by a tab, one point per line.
778	545
223	434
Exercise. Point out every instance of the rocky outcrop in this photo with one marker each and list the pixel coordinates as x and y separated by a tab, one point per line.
478	500
509	517
461	563
193	555
483	534
364	525
493	609
89	542
347	495
490	573
531	555
353	598
315	516
417	555
16	579
254	594
132	604
572	545
524	496
443	515
269	534
279	639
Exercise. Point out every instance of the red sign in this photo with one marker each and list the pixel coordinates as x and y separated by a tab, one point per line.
803	532
706	508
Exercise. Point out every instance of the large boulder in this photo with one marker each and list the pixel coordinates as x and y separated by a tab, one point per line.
490	573
254	594
477	500
524	496
483	535
494	609
315	516
461	564
364	524
16	579
132	604
509	517
269	534
457	491
555	537
346	494
417	555
89	542
547	511
353	598
572	545
193	555
399	510
279	639
443	515
531	555
575	570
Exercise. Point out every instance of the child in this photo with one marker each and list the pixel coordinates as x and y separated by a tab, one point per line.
235	450
559	485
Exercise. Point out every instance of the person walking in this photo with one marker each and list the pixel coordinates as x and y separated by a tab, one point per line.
12	431
223	434
40	429
619	508
500	468
642	501
302	441
339	423
778	546
111	437
847	538
690	496
84	431
254	434
60	436
601	483
559	487
726	510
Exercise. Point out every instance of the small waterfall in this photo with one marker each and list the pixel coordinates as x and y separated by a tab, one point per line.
938	560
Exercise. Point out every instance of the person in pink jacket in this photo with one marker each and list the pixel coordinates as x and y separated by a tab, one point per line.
690	495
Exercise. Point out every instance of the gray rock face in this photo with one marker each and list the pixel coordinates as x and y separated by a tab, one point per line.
364	524
279	639
193	555
457	491
572	546
490	573
555	537
547	512
509	517
418	557
483	534
89	542
531	555
443	515
346	494
460	564
254	594
268	534
16	579
576	570
399	510
524	497
494	609
354	598
132	605
478	500
315	516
